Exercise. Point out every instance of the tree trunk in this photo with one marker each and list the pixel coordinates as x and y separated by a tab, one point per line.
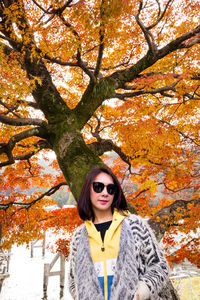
169	293
74	158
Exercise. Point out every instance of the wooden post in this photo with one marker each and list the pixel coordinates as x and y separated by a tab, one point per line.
48	272
43	245
62	275
4	264
33	245
45	280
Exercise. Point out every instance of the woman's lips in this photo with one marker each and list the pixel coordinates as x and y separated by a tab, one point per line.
103	202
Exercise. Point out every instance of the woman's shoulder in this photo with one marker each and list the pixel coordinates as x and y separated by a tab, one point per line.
135	218
140	225
79	229
78	232
137	222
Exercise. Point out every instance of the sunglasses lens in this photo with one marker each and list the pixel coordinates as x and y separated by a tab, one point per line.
111	189
98	187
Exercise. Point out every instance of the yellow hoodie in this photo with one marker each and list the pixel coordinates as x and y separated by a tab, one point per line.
104	254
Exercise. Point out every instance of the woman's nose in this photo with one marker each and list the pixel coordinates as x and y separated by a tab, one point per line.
105	192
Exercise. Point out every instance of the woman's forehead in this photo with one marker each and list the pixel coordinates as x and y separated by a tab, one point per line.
104	177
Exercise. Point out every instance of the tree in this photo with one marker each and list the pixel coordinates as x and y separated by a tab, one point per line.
82	78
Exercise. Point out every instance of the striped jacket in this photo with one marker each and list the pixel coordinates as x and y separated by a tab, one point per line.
139	261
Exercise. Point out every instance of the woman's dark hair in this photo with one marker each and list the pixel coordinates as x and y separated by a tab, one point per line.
84	203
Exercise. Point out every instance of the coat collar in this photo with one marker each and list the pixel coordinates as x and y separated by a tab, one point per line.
118	217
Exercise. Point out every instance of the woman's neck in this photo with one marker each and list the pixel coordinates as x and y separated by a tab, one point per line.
101	217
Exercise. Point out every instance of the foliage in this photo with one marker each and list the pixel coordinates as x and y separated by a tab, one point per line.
66	219
84	78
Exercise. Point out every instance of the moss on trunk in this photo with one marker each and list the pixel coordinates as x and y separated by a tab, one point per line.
74	157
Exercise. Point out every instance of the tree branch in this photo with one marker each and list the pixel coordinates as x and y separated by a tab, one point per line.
10	110
80	62
53	11
180	132
148	35
29	103
22	205
40	145
101	37
21	121
45	90
58	61
125	63
123	76
152	92
160	16
163	219
7	148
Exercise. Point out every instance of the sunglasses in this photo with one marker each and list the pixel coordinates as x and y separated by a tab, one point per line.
98	187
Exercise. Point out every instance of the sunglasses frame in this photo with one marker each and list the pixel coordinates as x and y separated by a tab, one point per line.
112	185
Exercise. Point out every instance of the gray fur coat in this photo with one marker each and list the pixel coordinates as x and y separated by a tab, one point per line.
139	259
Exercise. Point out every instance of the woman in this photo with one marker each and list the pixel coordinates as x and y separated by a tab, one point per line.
114	254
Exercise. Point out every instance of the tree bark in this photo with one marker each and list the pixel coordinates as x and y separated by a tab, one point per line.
169	293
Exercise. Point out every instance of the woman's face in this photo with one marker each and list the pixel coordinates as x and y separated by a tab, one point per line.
102	201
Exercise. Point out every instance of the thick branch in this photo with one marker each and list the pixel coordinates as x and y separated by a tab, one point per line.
7	148
163	219
40	145
103	146
21	121
92	98
45	92
123	76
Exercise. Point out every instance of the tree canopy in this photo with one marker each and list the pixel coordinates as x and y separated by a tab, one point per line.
86	78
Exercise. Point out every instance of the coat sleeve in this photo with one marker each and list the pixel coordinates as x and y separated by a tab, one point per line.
156	267
72	261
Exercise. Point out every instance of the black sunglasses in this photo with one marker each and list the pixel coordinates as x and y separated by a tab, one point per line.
98	187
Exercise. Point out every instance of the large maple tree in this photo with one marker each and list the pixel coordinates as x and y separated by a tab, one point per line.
83	78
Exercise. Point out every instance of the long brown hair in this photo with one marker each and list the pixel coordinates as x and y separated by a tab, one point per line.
84	203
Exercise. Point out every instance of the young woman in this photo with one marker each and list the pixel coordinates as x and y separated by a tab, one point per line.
114	254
